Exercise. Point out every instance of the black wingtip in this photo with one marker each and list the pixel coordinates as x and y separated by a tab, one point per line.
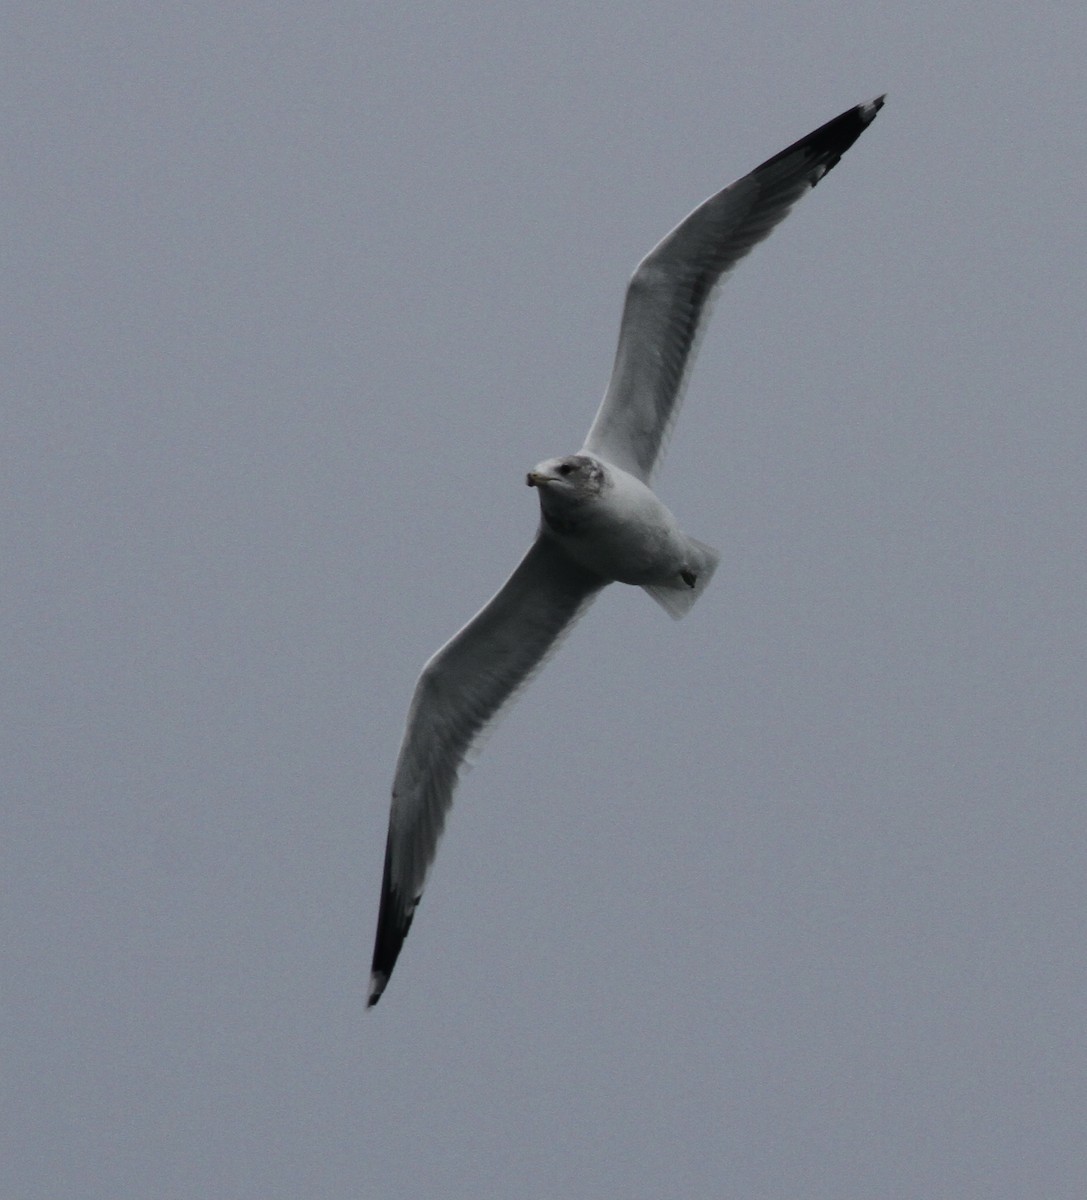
377	986
394	919
824	146
393	924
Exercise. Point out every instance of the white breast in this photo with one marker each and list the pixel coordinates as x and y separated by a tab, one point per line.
626	533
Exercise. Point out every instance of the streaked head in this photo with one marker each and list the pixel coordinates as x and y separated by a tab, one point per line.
575	477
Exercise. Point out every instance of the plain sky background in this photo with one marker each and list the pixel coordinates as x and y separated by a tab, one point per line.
784	900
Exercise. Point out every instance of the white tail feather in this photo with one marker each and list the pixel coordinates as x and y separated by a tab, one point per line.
677	597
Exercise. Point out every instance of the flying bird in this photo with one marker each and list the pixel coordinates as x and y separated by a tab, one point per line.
600	522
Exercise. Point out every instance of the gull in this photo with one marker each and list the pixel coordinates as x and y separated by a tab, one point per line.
600	522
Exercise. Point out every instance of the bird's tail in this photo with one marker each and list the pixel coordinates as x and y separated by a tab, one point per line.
678	595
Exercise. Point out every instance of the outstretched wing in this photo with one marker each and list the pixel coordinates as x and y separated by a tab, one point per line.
668	292
461	690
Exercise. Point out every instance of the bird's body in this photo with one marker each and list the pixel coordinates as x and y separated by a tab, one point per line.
614	525
600	521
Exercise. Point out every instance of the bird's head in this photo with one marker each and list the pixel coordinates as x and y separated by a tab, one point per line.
575	478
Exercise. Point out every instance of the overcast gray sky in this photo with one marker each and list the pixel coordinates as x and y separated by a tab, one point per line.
784	900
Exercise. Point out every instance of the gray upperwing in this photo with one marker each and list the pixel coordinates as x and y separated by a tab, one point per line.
668	292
